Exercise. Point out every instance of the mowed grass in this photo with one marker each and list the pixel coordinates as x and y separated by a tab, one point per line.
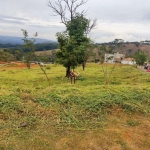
87	115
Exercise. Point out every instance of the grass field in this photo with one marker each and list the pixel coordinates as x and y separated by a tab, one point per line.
84	116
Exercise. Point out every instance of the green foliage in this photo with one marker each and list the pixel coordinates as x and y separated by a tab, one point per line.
132	123
140	58
77	27
29	43
102	50
73	43
18	52
118	43
46	46
5	56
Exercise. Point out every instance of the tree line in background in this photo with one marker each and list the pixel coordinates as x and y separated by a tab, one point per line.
18	53
10	52
39	47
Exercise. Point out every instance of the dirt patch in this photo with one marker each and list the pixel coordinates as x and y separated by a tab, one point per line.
3	62
16	64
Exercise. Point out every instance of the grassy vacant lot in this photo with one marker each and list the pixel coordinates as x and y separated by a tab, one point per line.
84	116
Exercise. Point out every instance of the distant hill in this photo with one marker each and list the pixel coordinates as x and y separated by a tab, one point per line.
18	40
128	49
131	48
45	52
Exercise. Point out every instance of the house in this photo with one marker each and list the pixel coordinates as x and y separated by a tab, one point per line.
114	58
129	61
118	58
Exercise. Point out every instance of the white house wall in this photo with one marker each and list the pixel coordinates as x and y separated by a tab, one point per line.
128	62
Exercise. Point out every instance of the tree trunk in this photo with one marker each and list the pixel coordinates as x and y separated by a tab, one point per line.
68	71
83	65
28	64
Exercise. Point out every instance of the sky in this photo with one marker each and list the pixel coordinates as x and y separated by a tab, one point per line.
124	19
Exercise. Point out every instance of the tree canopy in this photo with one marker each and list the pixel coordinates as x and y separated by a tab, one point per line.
73	42
140	58
29	43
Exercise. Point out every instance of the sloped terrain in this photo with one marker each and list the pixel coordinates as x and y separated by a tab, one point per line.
87	115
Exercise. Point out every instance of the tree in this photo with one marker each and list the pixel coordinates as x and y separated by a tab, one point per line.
77	29
67	9
104	50
137	44
101	51
73	42
29	43
5	56
88	52
118	43
140	58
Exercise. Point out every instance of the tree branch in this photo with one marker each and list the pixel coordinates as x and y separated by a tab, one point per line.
60	8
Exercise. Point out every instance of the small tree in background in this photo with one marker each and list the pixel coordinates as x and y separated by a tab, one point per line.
107	74
5	56
140	58
29	43
105	50
118	43
87	53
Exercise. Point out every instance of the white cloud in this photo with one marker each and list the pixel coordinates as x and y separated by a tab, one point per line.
126	19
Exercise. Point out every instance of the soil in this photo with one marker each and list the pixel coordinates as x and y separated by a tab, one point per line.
16	64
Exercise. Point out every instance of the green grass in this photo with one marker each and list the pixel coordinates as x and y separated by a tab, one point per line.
50	112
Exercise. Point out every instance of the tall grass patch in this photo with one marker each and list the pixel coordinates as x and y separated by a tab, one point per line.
31	108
